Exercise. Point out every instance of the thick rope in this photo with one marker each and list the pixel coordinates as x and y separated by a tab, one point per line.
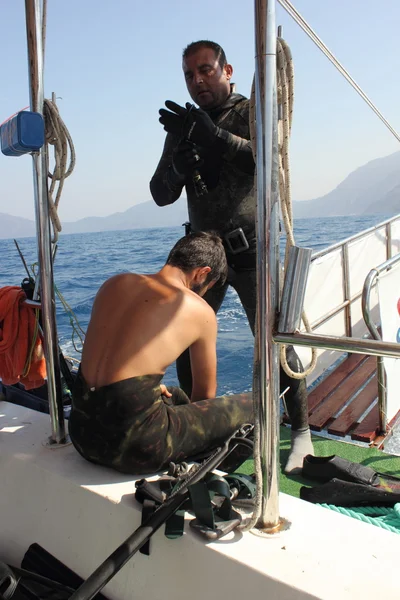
380	516
285	87
57	135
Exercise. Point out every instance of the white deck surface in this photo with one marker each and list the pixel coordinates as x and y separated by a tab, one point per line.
80	513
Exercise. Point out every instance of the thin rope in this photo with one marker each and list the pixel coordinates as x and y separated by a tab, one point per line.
296	16
77	330
28	362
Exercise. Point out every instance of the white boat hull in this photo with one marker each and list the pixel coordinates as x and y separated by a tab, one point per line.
80	513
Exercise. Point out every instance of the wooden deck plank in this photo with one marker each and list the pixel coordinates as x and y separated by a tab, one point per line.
333	380
349	417
338	398
367	430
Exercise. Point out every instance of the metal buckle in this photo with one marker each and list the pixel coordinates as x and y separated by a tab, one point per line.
236	241
221	528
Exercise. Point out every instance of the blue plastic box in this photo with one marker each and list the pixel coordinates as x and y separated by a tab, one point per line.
22	133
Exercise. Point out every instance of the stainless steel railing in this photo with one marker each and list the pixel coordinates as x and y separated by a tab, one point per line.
370	281
348	298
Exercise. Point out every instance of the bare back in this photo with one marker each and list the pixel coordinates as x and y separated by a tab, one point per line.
140	324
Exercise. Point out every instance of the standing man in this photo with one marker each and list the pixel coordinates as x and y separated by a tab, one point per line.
208	151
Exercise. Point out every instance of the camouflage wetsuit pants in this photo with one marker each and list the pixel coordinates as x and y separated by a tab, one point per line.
132	428
244	282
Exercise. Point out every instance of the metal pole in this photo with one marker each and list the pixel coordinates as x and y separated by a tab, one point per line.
345	344
266	363
34	27
346	289
380	367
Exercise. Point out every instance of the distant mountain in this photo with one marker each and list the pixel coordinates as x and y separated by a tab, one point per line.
371	189
16	227
140	216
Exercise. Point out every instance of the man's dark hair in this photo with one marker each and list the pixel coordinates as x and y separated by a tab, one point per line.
200	249
194	46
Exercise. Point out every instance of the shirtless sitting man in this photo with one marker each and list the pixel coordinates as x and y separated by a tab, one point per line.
122	415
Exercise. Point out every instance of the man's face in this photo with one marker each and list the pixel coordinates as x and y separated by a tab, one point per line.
208	84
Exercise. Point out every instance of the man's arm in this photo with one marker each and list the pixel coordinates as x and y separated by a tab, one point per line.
203	358
165	185
236	150
236	147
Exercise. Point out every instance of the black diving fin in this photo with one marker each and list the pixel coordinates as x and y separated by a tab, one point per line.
347	493
347	483
325	468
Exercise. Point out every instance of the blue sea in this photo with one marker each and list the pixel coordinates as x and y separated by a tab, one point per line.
84	261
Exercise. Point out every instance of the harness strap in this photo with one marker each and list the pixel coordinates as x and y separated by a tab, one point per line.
213	518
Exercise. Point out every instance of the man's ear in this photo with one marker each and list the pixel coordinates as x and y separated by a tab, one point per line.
200	274
204	271
228	70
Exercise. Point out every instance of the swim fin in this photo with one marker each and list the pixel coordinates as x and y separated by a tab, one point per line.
325	468
347	483
346	493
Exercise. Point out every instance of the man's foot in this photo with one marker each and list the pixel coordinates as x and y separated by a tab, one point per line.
301	445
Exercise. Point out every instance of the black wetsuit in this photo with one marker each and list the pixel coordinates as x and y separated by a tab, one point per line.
132	428
229	204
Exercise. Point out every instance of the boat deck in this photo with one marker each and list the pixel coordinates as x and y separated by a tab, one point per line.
345	402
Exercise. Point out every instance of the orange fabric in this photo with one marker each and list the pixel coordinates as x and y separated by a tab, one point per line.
17	327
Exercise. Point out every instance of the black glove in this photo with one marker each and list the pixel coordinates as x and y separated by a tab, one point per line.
189	123
185	159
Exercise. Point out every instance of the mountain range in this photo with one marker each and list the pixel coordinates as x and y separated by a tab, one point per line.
373	188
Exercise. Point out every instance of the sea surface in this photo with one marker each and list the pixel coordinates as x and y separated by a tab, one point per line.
84	261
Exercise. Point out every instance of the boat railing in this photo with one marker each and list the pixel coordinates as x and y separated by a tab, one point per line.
335	286
370	281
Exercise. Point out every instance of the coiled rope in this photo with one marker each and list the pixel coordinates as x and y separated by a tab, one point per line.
58	136
380	516
285	87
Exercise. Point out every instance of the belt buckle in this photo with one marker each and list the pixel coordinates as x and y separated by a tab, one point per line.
236	241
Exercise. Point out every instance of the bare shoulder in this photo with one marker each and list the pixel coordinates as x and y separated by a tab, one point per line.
120	280
201	309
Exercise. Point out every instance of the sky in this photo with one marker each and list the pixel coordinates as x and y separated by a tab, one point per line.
113	65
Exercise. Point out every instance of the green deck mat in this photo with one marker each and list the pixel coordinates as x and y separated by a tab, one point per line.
371	457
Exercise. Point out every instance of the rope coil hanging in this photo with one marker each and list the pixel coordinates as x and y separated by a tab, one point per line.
285	88
58	136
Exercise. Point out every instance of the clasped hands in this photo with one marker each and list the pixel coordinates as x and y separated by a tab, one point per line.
194	128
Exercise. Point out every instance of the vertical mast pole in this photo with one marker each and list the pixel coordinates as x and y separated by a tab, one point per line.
34	28
266	358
